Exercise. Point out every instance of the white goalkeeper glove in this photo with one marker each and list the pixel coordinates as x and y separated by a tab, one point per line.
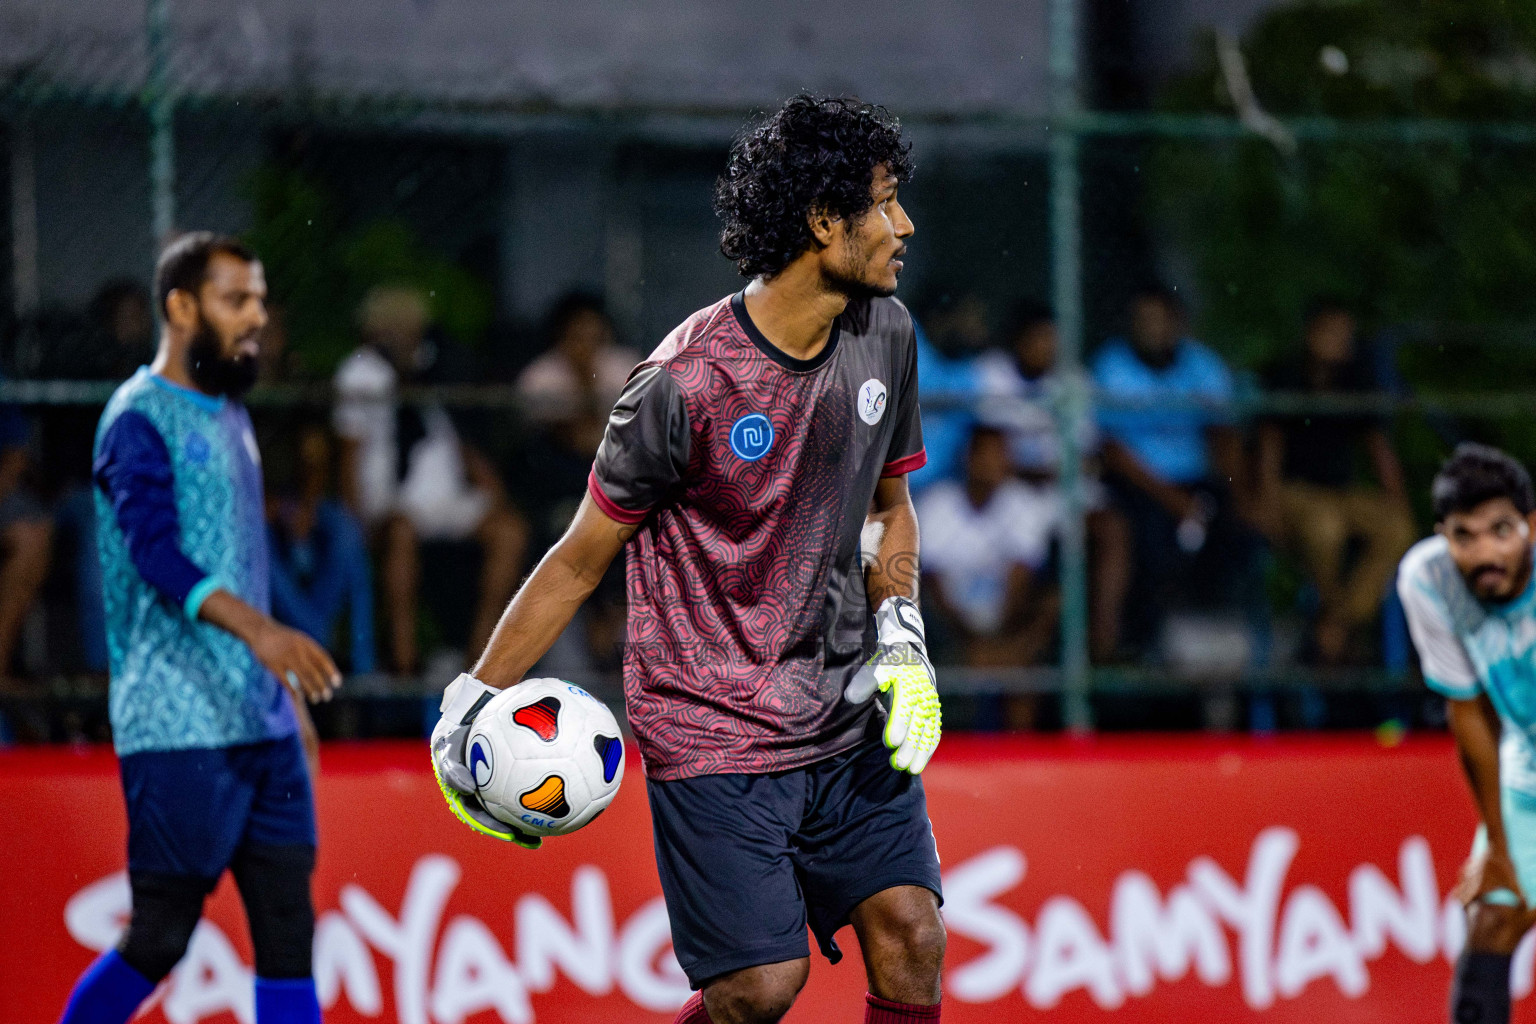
903	675
462	701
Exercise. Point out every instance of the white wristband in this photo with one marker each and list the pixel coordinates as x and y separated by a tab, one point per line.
461	695
899	622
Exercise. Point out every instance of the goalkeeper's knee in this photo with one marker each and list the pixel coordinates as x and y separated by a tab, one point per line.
274	885
165	911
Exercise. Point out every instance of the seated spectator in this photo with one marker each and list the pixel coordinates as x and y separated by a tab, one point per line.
1020	387
567	394
1174	464
410	478
1311	483
26	537
571	388
108	340
942	385
319	560
985	542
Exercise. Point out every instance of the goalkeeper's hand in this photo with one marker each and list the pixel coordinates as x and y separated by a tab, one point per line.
462	701
902	673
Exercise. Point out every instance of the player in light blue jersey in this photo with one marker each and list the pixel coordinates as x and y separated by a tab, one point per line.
1471	604
203	717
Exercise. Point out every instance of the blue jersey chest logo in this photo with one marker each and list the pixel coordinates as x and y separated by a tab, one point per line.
198	450
751	437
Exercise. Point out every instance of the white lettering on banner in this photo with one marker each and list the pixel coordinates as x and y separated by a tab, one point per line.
1315	944
210	979
1149	934
544	939
1250	909
969	911
408	942
648	972
343	964
473	975
1070	954
1289	937
1376	911
1286	940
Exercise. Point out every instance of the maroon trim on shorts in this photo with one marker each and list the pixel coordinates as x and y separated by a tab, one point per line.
605	503
906	464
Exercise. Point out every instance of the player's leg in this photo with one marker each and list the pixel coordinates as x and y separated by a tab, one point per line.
503	539
272	869
400	567
902	937
274	886
1495	924
25	548
738	922
866	856
181	836
165	911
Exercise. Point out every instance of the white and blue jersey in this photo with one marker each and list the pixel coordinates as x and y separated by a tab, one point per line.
1467	647
179	515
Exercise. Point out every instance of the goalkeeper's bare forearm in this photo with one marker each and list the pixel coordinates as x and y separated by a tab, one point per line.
893	572
548	599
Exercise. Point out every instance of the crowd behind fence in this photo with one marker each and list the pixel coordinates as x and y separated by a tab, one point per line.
1242	528
1137	514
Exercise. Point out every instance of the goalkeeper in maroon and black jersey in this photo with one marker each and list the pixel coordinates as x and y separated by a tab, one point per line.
748	464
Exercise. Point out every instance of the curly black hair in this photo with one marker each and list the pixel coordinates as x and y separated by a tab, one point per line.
816	152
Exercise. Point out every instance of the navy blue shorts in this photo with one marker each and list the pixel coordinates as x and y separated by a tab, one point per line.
189	810
747	861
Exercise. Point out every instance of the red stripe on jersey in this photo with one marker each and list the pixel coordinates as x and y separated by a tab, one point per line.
605	503
906	464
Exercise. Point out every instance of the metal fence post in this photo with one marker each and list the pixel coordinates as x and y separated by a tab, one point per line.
160	104
1071	406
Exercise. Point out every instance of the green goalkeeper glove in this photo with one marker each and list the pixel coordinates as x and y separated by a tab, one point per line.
902	673
462	701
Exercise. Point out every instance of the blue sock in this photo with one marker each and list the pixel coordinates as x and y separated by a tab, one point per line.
107	993
287	1001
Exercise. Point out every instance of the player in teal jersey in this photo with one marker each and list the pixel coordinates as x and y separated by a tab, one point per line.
212	765
1471	604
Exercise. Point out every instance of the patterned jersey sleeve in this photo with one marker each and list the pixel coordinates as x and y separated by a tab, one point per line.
1447	669
644	453
133	469
906	451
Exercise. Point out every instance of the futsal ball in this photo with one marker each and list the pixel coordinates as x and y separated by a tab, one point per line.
546	756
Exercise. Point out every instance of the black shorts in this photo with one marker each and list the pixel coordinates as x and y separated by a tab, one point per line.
746	861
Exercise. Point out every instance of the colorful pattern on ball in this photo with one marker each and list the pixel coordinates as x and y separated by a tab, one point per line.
611	751
548	798
543	717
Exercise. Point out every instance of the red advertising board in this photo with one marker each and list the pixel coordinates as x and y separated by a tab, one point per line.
1107	880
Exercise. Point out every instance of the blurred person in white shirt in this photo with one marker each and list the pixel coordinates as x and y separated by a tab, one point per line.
407	474
1019	386
986	541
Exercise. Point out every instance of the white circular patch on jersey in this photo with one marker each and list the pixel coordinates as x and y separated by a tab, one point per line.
871	401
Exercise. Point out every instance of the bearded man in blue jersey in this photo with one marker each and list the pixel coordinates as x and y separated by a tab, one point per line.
204	682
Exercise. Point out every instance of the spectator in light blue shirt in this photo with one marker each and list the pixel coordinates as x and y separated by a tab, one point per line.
1174	463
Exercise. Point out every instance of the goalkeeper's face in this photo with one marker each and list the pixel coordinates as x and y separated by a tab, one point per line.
1491	545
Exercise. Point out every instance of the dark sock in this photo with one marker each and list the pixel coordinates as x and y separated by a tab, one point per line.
888	1011
286	1001
107	993
1480	989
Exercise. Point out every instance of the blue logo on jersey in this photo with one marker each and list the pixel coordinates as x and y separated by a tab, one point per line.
751	437
480	765
198	449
